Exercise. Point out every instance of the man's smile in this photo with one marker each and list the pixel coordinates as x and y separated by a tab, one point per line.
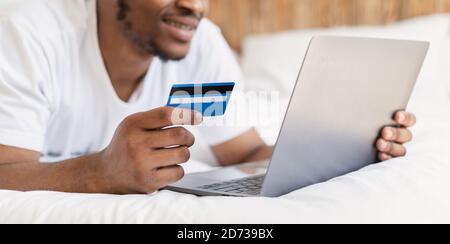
181	28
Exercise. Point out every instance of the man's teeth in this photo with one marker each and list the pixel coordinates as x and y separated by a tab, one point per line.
179	25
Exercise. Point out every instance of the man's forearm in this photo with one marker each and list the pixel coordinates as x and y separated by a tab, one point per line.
263	153
75	175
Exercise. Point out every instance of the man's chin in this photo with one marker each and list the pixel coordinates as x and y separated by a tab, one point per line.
165	53
173	52
170	56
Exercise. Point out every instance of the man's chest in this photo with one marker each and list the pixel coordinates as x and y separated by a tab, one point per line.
85	119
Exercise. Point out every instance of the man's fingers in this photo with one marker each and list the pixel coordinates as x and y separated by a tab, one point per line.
169	157
391	149
390	144
170	137
384	157
399	135
165	117
168	175
405	119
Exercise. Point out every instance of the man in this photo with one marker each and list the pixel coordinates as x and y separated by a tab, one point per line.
86	80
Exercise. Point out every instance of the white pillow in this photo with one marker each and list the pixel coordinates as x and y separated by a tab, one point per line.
272	62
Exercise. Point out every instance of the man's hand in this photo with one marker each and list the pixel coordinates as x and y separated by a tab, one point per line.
391	142
144	155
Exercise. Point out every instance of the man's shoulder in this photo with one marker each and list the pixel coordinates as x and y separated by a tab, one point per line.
210	57
208	37
208	29
45	16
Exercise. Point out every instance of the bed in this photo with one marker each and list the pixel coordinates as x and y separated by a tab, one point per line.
408	190
414	189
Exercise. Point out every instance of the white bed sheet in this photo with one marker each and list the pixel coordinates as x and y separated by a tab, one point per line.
414	189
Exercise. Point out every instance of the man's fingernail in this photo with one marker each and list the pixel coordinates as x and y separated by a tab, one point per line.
385	157
198	117
383	144
401	117
388	133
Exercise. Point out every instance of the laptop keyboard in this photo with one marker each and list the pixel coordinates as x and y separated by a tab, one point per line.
247	186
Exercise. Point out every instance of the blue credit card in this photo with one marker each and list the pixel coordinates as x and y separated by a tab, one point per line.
210	99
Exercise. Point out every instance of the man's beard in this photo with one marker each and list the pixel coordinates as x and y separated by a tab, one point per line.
146	46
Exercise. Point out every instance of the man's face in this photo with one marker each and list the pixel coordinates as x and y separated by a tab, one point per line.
164	28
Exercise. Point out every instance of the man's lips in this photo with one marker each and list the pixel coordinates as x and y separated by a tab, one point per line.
181	28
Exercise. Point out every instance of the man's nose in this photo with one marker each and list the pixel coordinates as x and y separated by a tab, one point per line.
197	7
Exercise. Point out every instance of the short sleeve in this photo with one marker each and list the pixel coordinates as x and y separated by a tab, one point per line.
220	65
24	107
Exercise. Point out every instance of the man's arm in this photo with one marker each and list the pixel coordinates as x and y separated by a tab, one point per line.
250	147
143	156
21	170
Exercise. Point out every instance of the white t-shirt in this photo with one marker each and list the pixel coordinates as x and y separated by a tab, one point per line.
55	93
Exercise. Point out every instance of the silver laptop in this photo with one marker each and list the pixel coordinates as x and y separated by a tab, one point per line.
347	90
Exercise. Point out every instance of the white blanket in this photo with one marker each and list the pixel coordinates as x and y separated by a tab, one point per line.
412	189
